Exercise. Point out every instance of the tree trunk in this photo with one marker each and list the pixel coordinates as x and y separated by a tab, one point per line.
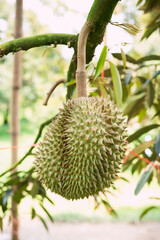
17	79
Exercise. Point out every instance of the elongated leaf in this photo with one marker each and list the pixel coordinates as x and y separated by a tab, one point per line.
142	114
71	83
116	83
141	131
43	221
46	211
146	211
123	58
131	107
140	149
156	198
33	213
150	30
110	210
136	165
128	78
93	94
1	223
157	145
50	200
148	58
156	114
139	2
153	76
129	58
124	179
35	189
7	194
150	94
144	178
74	94
101	62
103	90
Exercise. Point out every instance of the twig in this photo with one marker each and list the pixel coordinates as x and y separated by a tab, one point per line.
52	89
31	148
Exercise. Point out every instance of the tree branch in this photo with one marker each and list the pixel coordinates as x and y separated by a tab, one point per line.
52	89
37	41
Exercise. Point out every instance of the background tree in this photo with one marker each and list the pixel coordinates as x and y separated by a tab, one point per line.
15	106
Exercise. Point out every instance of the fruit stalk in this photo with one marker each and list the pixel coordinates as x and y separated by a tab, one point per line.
81	61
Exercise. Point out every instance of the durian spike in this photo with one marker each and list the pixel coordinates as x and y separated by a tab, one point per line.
81	61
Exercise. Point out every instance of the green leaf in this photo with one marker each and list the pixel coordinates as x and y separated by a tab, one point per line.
7	194
136	165
35	189
128	78
103	90
101	62
144	178
124	179
146	211
109	209
70	83
50	200
153	76
156	114
142	114
131	108
139	2
1	223
123	58
148	58
150	94
33	213
129	58
150	30
94	94
48	214
43	221
116	83
141	131
74	94
156	198
157	145
140	149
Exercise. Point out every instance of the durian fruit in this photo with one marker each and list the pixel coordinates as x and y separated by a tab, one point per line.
83	148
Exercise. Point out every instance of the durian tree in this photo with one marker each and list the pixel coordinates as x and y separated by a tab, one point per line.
81	152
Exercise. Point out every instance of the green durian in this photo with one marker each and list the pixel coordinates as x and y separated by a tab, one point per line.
83	148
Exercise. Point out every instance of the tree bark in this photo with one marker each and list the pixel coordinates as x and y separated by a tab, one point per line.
15	102
27	43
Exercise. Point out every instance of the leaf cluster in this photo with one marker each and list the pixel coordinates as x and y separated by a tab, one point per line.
152	10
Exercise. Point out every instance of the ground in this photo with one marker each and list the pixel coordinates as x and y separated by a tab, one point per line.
88	231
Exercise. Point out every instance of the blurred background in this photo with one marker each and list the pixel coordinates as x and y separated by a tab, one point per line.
131	208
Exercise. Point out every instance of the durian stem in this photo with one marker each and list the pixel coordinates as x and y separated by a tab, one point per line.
81	61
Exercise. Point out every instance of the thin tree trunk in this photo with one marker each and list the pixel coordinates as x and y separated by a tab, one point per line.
15	103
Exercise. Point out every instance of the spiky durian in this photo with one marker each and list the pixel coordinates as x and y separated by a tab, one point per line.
82	150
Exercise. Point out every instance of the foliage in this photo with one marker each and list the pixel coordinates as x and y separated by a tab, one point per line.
152	10
26	185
